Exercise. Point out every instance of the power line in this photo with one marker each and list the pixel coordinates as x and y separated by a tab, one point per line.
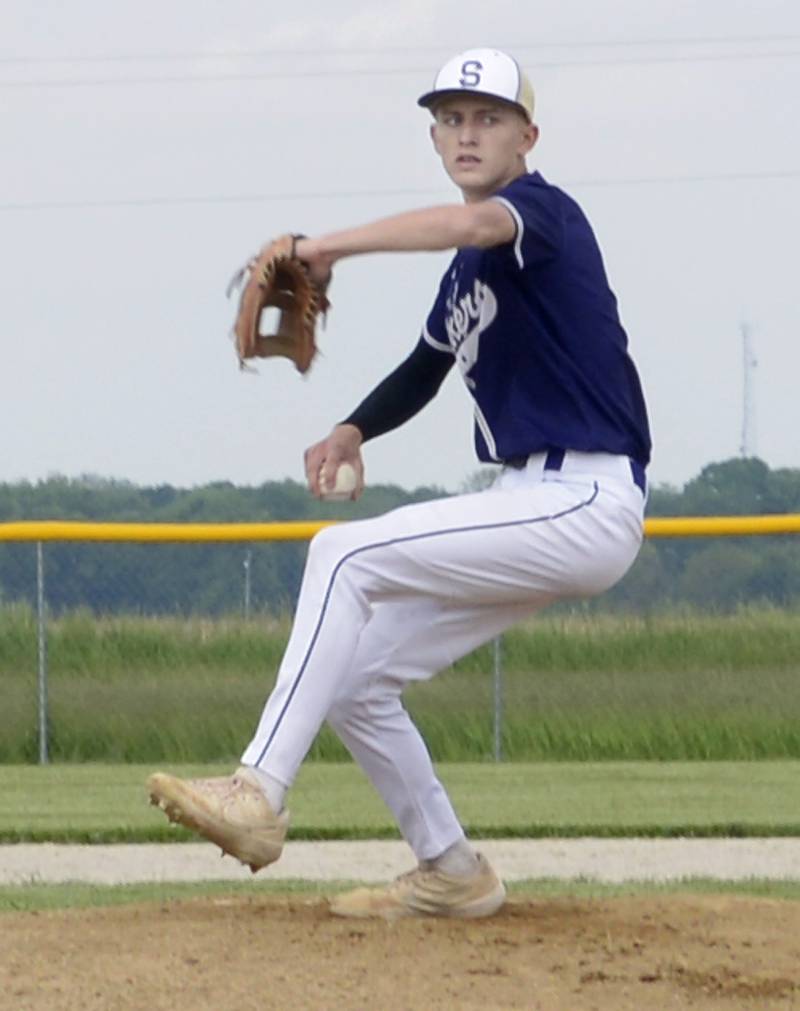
515	47
246	198
60	205
381	71
723	177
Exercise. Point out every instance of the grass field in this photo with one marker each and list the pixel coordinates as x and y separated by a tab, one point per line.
575	688
100	803
15	898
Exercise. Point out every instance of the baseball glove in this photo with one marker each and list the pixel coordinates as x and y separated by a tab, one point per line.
277	278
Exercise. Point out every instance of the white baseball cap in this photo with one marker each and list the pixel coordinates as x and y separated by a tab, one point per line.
483	72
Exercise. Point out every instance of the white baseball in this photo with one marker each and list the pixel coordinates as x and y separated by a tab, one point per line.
343	486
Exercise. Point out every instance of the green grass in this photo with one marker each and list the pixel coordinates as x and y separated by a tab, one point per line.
99	803
576	687
19	898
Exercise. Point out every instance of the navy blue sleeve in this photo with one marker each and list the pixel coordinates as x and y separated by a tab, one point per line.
403	393
538	215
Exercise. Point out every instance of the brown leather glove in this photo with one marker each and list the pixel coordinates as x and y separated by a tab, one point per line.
276	277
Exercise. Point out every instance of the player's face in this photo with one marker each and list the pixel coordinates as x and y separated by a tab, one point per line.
482	143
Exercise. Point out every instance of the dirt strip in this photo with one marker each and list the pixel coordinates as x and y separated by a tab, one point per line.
610	860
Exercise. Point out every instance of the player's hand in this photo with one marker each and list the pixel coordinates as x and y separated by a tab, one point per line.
322	460
320	265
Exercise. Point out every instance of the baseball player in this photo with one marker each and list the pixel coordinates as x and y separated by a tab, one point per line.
525	312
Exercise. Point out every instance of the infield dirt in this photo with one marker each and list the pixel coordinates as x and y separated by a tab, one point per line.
236	954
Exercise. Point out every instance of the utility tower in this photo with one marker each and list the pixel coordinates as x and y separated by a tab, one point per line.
749	363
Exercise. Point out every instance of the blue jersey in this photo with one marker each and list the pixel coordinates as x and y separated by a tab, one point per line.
534	329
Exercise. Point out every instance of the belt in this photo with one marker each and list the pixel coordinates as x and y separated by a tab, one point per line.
558	459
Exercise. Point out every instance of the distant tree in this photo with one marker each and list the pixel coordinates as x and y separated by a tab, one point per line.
479	480
665	500
783	491
738	486
719	576
646	585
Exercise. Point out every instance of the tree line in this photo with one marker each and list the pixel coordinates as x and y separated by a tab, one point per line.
218	579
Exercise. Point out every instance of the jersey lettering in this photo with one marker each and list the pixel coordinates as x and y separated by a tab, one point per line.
466	320
470	74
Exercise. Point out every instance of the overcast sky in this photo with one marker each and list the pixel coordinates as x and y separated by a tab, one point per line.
150	147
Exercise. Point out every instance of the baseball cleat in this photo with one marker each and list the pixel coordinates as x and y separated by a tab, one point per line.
230	811
427	892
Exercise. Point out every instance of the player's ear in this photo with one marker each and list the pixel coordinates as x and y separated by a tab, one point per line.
530	136
435	138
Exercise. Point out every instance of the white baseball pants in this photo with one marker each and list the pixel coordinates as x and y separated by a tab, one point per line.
397	598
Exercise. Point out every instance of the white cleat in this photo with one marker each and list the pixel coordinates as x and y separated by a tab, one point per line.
230	811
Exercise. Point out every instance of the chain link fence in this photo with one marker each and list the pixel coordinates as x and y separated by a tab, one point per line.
147	651
146	642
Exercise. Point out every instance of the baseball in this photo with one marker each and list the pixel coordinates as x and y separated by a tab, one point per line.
344	485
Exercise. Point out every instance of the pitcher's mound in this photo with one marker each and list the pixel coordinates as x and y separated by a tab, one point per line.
236	954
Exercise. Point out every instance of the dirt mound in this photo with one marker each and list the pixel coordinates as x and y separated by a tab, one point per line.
234	954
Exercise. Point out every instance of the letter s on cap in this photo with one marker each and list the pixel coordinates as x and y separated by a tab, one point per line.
470	74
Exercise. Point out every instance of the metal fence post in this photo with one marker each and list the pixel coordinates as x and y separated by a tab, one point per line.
248	557
498	700
42	655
